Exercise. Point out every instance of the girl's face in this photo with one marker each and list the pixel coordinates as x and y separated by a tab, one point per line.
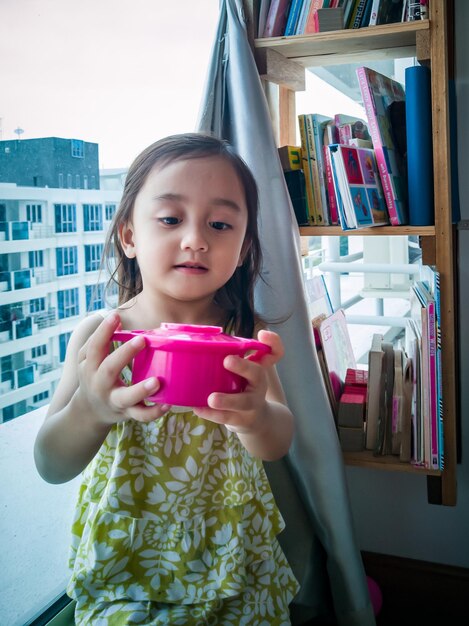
188	228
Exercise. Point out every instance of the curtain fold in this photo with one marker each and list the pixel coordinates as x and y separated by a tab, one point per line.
309	484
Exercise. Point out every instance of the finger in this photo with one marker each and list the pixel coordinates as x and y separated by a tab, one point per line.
127	396
276	346
97	347
250	370
112	366
142	413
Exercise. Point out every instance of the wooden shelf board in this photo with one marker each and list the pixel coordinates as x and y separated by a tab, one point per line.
335	47
367	459
422	231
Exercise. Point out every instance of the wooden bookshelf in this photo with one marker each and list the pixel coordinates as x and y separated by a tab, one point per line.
282	60
336	231
366	458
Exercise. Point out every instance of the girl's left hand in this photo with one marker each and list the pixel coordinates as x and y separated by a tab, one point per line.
244	412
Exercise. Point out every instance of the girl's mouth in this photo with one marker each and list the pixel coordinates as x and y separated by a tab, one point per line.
191	268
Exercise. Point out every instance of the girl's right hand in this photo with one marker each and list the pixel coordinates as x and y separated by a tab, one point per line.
101	389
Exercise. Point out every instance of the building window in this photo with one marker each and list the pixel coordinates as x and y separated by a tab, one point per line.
68	304
93	217
110	210
95	297
93	255
37	305
61	181
78	148
36	258
38	351
34	213
67	261
63	342
65	218
40	397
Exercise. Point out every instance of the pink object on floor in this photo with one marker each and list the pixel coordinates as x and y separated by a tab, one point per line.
376	596
188	361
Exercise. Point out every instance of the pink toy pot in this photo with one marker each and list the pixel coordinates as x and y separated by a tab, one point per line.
188	361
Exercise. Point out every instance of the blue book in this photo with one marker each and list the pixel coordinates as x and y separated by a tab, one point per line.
419	146
293	17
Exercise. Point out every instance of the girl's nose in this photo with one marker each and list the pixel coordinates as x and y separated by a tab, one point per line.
194	239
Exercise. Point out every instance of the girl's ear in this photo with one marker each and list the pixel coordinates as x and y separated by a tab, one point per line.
126	236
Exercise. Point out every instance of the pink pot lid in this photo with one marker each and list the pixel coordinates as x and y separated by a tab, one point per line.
170	336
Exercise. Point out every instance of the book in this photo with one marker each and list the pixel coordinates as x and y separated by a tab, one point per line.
338	351
295	180
389	12
374	12
331	197
384	443
317	297
319	123
384	99
310	24
300	27
263	13
375	383
406	422
358	14
357	186
431	279
419	145
290	158
397	402
308	153
413	339
428	317
293	16
276	18
327	20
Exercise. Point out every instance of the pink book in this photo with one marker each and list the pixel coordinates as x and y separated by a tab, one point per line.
276	18
310	20
384	102
333	212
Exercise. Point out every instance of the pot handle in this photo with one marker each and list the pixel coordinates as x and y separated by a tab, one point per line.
261	349
124	335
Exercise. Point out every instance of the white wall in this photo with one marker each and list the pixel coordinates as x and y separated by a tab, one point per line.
391	512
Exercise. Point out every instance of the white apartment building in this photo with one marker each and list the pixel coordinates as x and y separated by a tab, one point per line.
51	240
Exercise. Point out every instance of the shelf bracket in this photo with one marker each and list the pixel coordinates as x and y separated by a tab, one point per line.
277	69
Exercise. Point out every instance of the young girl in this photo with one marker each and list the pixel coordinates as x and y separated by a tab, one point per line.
175	522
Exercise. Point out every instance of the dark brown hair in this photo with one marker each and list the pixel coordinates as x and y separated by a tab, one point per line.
236	297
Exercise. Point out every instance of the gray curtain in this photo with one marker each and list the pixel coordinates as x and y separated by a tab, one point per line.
309	484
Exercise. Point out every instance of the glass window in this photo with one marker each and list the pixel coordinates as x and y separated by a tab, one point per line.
93	254
36	258
93	217
110	210
34	213
67	261
65	218
78	148
95	297
67	301
63	342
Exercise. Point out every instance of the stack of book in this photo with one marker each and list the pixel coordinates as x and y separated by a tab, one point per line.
300	17
352	407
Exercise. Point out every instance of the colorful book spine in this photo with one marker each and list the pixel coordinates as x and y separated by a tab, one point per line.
305	155
310	26
331	197
379	93
419	145
276	18
374	13
293	17
300	28
319	123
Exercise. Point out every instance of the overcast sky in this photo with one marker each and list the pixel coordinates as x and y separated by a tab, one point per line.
121	73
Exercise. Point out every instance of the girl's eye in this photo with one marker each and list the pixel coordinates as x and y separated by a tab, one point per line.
220	225
169	221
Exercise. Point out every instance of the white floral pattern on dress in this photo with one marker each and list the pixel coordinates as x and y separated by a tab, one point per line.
176	524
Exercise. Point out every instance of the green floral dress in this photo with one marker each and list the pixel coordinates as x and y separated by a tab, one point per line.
176	524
